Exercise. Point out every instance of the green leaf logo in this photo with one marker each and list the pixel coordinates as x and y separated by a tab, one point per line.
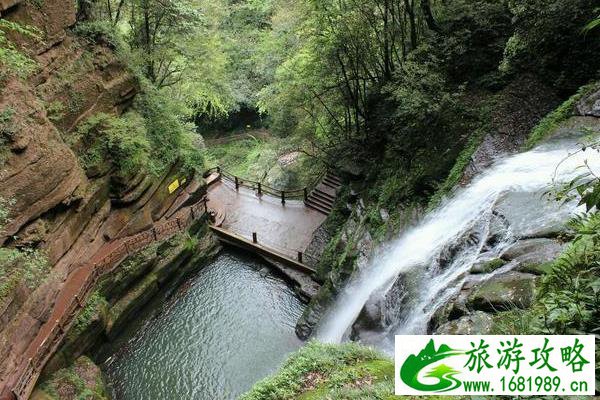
414	364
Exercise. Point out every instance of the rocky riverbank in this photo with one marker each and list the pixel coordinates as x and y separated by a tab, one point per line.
155	271
511	279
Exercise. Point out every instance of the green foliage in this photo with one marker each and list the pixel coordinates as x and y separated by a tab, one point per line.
570	294
341	372
548	41
14	61
55	111
26	266
456	173
592	25
121	141
551	122
171	139
94	307
332	366
99	31
82	380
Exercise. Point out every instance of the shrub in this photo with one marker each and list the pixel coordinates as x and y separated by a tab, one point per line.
102	32
13	61
549	42
120	140
26	266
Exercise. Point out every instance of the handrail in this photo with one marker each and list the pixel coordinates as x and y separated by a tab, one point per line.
262	188
106	265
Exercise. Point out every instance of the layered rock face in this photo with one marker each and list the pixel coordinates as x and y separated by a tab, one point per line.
55	207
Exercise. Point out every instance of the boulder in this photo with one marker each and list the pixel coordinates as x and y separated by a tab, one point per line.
534	255
528	217
589	105
503	292
487	266
478	323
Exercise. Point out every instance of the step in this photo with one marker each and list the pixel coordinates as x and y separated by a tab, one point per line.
328	190
324	194
333	178
331	185
320	202
332	181
316	207
325	199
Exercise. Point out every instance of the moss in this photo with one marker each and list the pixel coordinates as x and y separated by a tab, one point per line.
457	170
342	372
82	380
95	307
492	265
551	122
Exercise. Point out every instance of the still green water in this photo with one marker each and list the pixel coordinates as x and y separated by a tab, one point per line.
231	325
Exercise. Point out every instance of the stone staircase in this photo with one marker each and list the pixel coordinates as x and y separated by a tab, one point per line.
323	196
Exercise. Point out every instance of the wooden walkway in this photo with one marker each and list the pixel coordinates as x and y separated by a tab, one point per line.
264	219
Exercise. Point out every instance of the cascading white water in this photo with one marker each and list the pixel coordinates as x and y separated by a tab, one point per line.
417	249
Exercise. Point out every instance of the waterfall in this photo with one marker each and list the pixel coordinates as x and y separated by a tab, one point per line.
465	219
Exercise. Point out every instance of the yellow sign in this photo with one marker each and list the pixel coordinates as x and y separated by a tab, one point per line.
174	186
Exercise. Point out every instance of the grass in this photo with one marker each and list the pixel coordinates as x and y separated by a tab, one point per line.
552	121
325	371
457	170
319	370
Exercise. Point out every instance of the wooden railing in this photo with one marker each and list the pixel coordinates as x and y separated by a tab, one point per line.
128	246
260	188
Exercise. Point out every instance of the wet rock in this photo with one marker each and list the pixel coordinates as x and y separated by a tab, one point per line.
487	266
530	218
454	309
590	105
534	255
478	323
503	292
384	214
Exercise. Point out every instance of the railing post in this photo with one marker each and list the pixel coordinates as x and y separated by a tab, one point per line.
237	183
259	189
154	234
219	170
178	223
300	257
192	211
283	197
305	194
254	237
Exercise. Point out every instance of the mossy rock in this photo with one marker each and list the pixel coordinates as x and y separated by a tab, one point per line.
503	292
486	267
82	380
478	323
